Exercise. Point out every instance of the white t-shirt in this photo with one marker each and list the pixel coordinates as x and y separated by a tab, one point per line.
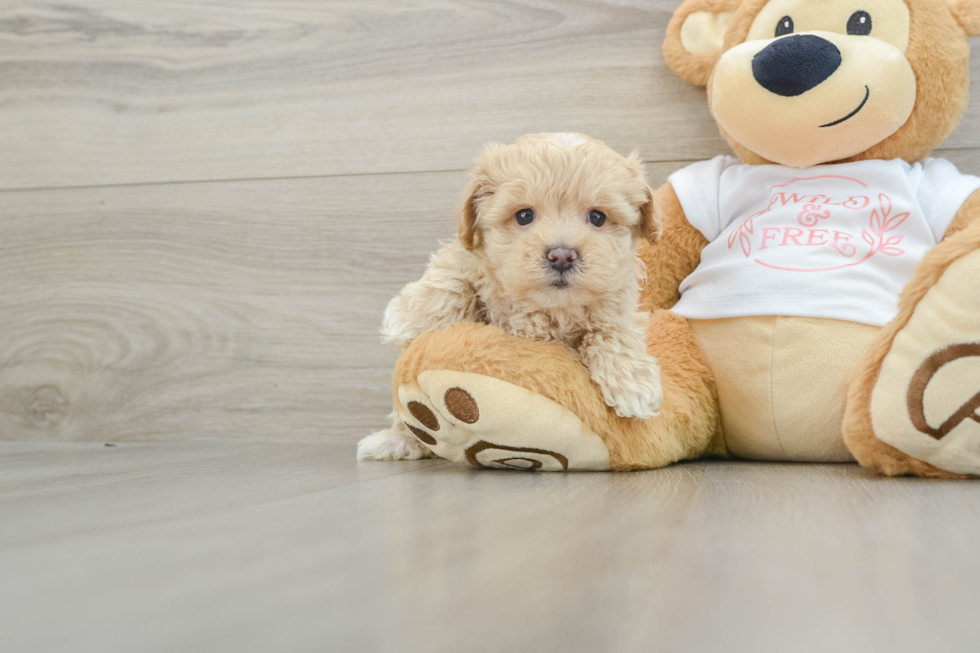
836	241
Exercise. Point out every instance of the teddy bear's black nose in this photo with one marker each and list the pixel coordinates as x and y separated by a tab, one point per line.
793	65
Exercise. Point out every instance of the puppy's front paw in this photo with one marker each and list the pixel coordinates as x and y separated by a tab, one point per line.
396	329
396	334
392	445
637	393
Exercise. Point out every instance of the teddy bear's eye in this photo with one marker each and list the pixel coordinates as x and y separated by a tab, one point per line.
859	24
597	218
785	26
525	217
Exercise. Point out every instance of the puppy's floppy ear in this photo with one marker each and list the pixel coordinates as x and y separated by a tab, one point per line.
477	190
650	224
466	216
696	37
968	13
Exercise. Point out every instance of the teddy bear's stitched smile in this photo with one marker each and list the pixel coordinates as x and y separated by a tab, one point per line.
867	95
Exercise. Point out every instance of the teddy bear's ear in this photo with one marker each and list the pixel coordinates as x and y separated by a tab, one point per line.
968	13
696	37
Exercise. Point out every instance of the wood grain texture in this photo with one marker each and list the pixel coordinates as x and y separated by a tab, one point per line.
150	304
242	311
208	547
208	311
113	92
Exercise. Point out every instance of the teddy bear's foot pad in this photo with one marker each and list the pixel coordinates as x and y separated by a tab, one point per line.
488	423
927	400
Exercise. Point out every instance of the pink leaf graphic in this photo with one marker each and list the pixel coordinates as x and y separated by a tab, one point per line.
895	221
875	222
867	237
895	240
746	244
892	251
749	226
886	205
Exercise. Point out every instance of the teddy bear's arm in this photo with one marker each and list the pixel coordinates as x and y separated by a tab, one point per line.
968	213
672	258
479	396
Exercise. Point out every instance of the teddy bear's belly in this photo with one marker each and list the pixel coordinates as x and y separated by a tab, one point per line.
782	383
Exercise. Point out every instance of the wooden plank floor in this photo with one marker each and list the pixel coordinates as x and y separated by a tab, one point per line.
207	205
252	547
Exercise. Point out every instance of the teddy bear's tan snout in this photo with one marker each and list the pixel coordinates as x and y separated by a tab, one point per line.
822	96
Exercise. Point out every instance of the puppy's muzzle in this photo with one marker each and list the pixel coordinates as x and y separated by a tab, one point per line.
563	259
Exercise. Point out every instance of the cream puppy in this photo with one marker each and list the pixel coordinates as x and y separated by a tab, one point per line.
547	249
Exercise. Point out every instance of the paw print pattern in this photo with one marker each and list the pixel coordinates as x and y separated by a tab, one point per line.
462	405
428	419
423	436
491	424
514	457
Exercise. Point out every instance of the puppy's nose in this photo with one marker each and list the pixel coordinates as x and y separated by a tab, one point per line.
562	258
793	65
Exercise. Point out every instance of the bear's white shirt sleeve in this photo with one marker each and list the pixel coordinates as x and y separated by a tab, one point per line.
942	192
698	188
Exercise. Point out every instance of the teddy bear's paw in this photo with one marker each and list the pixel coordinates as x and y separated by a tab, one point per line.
392	444
637	393
926	402
488	423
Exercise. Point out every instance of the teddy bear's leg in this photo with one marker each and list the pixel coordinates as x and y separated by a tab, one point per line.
477	396
913	404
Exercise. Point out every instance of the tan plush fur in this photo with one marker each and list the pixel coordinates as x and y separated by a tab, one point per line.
968	13
672	258
967	215
963	237
687	423
498	271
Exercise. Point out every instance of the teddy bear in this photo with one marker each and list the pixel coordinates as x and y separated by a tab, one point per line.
815	298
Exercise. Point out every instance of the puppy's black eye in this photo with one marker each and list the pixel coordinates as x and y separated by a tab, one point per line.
785	26
597	218
525	217
859	24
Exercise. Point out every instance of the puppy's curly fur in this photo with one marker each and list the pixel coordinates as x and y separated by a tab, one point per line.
570	274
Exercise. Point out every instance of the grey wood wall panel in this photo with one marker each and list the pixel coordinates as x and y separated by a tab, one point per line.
242	311
113	92
141	302
208	311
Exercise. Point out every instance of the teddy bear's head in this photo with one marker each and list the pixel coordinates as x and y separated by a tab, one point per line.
804	82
